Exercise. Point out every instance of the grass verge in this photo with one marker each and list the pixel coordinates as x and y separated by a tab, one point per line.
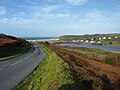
51	74
19	53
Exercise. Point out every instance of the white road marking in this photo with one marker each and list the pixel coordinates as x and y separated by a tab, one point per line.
1	69
16	62
22	60
27	58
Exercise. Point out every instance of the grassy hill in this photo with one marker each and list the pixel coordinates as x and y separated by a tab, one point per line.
100	39
11	46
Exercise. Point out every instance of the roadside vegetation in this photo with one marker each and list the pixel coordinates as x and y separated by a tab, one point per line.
52	74
97	54
14	53
89	74
11	47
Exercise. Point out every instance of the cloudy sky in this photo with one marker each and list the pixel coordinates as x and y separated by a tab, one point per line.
59	17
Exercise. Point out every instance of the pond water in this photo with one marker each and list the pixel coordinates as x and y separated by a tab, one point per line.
111	48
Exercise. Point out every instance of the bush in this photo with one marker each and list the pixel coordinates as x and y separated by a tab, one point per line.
73	58
110	42
109	61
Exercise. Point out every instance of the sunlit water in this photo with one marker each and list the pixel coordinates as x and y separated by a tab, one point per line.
111	48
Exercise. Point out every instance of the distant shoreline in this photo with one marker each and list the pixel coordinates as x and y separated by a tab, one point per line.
39	38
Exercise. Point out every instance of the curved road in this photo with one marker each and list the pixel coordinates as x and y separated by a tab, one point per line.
13	71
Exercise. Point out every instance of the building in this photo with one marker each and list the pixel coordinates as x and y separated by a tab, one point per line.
81	40
92	41
116	37
109	38
104	38
99	42
86	41
100	38
74	41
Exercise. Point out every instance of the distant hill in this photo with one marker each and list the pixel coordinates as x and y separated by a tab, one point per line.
87	36
6	40
10	45
100	39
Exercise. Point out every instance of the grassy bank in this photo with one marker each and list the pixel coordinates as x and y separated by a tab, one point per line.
15	53
52	74
89	74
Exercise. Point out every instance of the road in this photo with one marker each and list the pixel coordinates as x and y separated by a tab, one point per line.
13	71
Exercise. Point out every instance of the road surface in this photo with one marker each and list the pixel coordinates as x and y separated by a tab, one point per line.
13	71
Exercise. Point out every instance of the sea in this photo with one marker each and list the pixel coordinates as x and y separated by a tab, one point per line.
38	38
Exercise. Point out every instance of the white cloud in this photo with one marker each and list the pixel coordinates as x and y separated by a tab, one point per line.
21	14
118	6
44	9
77	2
2	10
43	14
99	22
94	16
31	2
49	13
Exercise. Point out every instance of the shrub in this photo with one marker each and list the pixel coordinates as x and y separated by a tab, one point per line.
110	42
109	61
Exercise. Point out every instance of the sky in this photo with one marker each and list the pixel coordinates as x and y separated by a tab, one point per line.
45	18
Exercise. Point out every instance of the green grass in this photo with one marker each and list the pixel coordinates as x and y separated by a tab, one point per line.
9	57
18	53
111	42
51	74
109	61
90	52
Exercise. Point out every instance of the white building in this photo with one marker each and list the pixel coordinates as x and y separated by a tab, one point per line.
99	42
86	41
104	37
109	38
74	41
116	37
100	38
92	41
81	40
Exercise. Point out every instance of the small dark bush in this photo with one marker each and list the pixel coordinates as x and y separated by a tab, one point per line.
109	61
110	42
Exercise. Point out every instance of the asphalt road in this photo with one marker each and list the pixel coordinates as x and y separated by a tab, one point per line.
13	71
